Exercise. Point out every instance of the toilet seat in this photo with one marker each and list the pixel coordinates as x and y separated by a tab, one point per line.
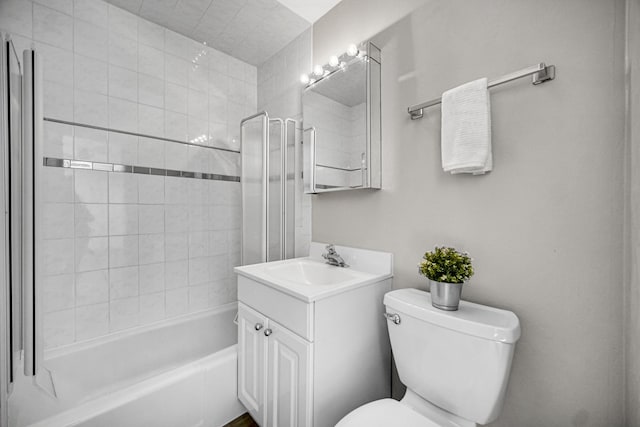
385	413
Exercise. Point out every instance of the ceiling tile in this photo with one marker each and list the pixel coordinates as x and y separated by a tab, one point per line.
250	30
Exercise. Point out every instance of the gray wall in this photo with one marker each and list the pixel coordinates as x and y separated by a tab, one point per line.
545	228
632	320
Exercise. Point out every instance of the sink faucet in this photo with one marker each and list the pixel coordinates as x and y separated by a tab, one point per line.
333	258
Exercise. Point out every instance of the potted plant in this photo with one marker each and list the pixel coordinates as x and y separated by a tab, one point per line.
447	269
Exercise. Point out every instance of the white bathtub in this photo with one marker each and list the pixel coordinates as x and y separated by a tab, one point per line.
175	373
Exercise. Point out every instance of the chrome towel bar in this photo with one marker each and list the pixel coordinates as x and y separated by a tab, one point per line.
541	73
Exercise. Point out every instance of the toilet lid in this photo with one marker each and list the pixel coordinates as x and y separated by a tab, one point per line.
385	413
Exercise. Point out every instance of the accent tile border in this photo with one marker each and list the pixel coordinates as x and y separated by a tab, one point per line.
143	170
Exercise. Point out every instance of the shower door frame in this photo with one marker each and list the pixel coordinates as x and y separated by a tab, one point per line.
284	215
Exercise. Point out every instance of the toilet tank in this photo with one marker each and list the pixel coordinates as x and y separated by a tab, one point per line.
457	360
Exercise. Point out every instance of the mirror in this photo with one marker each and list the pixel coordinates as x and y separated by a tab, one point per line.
341	114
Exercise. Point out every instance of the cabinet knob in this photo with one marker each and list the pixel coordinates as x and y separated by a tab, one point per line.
267	332
258	326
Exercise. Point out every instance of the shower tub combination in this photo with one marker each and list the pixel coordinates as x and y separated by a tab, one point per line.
174	373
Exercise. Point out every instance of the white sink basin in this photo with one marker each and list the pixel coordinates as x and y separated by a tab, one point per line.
308	272
311	278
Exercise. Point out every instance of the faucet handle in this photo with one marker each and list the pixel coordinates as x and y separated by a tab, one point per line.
331	249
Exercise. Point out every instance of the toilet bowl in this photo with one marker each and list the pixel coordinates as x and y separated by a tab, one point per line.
455	364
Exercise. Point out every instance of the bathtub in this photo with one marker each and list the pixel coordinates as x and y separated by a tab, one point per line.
174	373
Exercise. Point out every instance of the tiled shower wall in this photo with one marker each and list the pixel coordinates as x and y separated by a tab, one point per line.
279	93
125	249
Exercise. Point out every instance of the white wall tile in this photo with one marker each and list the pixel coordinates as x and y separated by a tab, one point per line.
176	70
92	253
91	11
123	83
151	61
149	152
58	101
16	17
123	51
58	221
90	40
91	321
176	274
151	219
58	64
59	328
58	256
123	23
91	186
123	219
123	251
124	313
176	218
177	301
123	148
150	34
90	108
150	122
152	278
151	189
177	246
123	115
90	144
57	292
58	185
151	92
175	126
90	74
198	298
151	248
152	307
175	156
123	188
91	220
123	282
52	27
58	140
92	287
175	98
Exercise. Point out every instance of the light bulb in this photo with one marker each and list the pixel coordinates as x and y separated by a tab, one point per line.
343	64
334	61
318	70
352	50
304	79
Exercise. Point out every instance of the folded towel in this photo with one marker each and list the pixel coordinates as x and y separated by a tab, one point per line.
466	129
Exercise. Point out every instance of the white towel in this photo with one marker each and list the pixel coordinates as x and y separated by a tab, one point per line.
466	129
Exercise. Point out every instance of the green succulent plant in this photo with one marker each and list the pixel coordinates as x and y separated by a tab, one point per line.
446	265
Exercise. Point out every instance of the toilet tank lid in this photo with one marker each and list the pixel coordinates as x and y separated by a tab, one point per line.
470	318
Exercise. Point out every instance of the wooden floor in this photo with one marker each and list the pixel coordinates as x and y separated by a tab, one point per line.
243	420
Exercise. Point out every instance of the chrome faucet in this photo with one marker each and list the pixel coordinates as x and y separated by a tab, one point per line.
333	258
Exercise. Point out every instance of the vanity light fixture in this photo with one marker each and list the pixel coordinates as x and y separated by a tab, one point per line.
336	63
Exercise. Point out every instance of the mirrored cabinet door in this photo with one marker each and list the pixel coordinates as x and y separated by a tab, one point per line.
341	113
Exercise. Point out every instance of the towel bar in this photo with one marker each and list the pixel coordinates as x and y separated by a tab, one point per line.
541	73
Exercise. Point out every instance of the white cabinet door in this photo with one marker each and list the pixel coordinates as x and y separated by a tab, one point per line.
252	359
289	379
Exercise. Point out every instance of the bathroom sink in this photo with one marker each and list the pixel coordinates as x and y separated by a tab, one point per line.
307	272
311	278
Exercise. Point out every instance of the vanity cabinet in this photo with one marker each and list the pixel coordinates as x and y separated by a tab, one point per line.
307	360
274	371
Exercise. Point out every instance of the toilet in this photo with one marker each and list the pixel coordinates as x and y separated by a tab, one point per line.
455	364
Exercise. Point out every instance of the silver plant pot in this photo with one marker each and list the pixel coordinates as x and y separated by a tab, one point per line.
445	296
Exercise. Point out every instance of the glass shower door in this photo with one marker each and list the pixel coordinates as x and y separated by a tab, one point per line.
254	137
